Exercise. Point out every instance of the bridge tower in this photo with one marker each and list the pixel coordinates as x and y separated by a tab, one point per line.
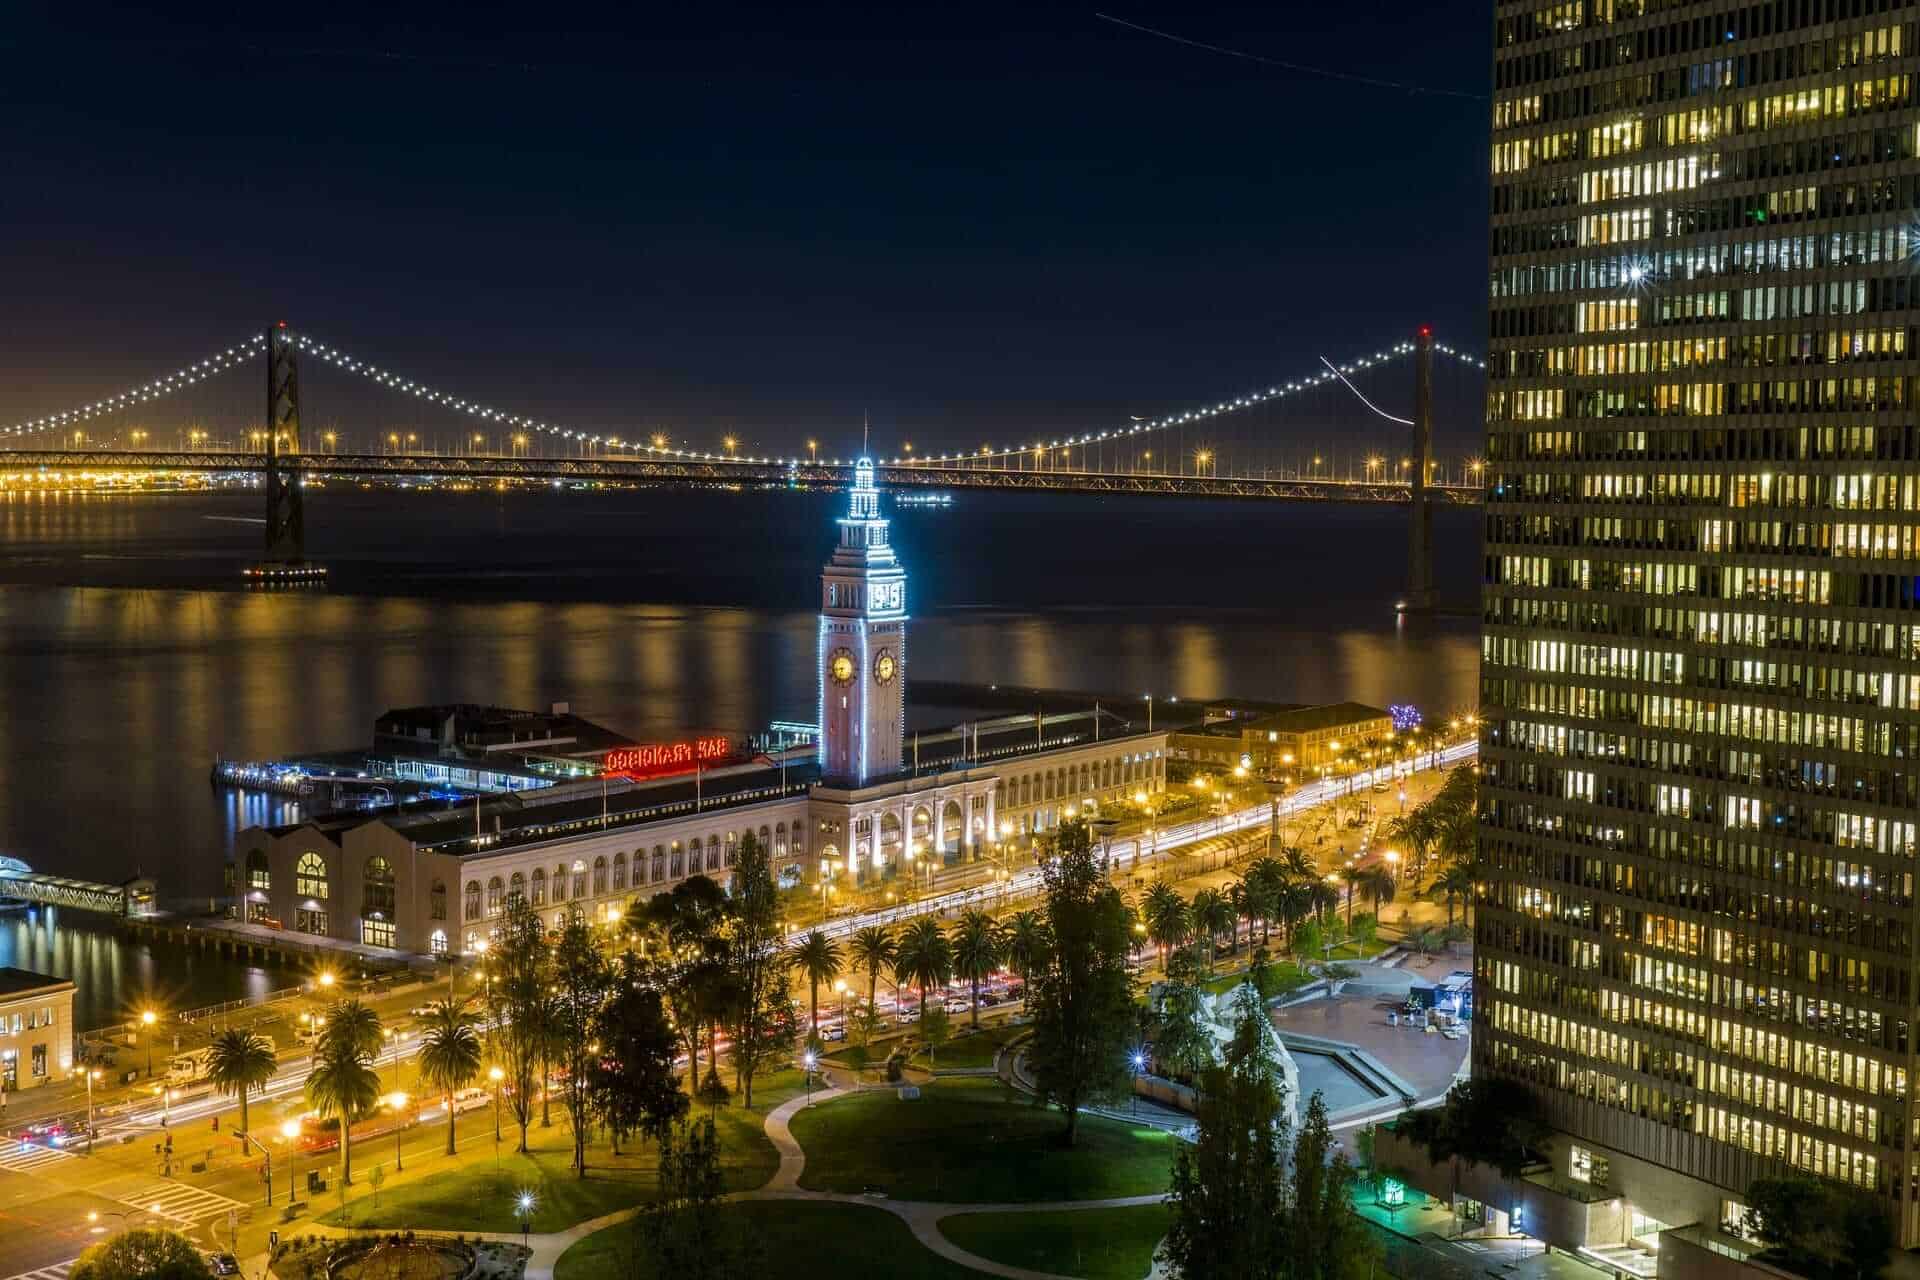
1419	595
286	558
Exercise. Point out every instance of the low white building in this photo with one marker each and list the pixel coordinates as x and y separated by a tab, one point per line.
873	805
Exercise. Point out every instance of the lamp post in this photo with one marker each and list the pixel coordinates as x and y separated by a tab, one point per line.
1133	1098
523	1207
807	1060
398	1101
93	1074
291	1132
147	1018
496	1075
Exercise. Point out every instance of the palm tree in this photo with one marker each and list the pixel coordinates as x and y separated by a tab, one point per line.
976	952
1379	884
1023	939
874	950
1243	900
342	1084
1212	916
238	1062
1414	832
1168	922
352	1023
925	958
1355	878
1454	881
449	1053
819	958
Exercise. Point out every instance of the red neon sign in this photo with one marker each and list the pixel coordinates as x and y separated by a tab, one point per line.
657	758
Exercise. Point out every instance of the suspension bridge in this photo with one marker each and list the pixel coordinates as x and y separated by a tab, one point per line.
1229	449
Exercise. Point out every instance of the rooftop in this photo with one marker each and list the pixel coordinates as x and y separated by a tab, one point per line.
1292	719
19	982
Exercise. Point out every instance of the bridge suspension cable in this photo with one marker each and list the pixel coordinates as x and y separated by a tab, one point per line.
219	362
1204	412
419	390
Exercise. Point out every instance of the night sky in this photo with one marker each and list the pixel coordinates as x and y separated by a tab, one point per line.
965	219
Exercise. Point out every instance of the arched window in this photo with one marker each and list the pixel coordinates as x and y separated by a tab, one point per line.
472	910
599	875
619	872
496	896
473	939
679	861
437	904
560	884
258	877
659	864
376	888
713	853
516	888
539	898
437	941
579	878
310	876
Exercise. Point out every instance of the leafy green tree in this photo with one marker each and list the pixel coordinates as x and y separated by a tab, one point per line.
1081	998
342	1084
1486	1120
763	1021
1819	1229
142	1253
976	953
238	1063
580	988
873	950
925	957
683	1231
635	1086
1230	1195
1182	1045
935	1029
818	958
1325	1239
522	975
450	1053
1307	942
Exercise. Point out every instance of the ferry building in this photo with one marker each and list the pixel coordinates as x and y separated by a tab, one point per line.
867	803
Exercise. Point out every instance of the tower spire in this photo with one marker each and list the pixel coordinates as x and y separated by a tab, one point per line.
866	432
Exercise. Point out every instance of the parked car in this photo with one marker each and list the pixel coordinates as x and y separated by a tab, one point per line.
223	1264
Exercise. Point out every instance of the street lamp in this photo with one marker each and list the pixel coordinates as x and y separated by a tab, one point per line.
496	1075
147	1018
807	1060
93	1074
523	1206
1139	1065
291	1132
398	1102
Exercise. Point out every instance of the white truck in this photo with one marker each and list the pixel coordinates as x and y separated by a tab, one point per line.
188	1068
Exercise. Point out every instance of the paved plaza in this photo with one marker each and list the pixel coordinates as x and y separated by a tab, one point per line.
1427	1062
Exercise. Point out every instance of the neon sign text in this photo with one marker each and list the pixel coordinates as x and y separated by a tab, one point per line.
666	757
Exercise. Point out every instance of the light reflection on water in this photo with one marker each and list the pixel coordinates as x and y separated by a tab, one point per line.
119	694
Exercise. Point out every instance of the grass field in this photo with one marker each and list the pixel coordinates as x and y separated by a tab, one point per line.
975	1050
789	1239
1098	1244
968	1142
473	1193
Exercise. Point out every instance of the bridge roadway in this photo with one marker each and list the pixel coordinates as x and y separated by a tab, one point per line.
695	470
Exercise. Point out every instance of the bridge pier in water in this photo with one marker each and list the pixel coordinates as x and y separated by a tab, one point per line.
286	560
1419	597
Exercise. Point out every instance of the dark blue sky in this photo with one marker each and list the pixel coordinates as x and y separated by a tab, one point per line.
965	218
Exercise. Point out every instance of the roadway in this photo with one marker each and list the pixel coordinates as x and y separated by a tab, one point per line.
674	467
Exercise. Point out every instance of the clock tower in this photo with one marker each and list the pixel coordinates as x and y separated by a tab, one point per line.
863	645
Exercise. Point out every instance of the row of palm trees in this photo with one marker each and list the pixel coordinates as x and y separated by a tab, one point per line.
1279	890
923	955
1440	837
342	1083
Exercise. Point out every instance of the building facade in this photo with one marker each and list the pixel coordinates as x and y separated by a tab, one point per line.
36	1029
1701	650
437	882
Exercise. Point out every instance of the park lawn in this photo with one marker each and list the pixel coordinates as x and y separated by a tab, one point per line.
978	1049
1097	1244
791	1238
970	1141
470	1194
1286	972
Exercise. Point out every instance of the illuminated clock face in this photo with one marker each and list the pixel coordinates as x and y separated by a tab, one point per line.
883	666
840	666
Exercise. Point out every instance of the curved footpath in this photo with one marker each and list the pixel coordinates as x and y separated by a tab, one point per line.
921	1216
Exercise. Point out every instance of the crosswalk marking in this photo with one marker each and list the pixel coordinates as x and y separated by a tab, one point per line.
19	1157
58	1271
180	1202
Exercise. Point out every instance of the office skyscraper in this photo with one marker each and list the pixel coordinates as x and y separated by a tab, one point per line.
1701	667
